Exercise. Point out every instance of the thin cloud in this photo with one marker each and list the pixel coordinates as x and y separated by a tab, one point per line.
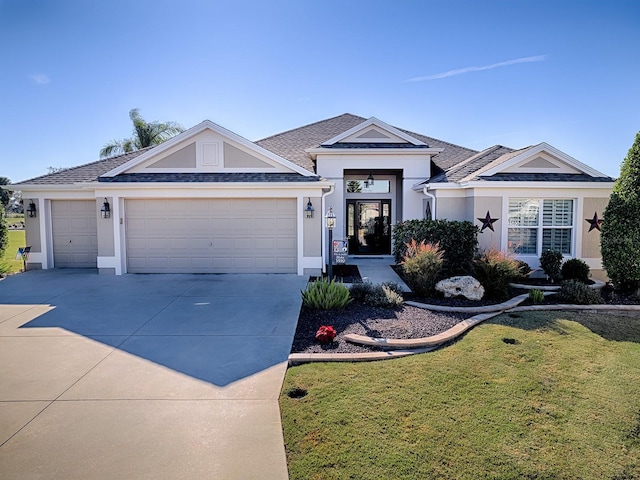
461	71
39	78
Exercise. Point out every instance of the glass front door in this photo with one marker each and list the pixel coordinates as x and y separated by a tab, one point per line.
369	226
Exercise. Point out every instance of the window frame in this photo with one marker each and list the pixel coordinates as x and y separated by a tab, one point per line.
540	227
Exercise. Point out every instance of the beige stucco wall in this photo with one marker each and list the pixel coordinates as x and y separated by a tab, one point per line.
488	238
452	208
106	246
591	239
32	232
312	230
183	158
236	158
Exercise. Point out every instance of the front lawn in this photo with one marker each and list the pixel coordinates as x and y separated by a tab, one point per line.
537	395
16	239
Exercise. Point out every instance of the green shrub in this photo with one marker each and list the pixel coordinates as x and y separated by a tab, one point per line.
387	294
551	261
575	269
523	269
536	296
421	265
458	241
494	270
326	295
573	291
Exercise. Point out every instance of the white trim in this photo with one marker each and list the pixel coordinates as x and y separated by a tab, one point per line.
378	123
520	185
108	262
375	151
531	152
201	127
308	262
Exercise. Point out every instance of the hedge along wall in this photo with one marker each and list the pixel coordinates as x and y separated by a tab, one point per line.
459	240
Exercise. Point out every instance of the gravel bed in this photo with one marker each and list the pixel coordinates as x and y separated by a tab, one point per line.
404	322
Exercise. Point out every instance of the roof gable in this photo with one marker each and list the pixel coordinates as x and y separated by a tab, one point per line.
373	131
538	159
208	148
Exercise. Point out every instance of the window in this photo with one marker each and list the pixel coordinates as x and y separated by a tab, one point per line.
363	186
533	230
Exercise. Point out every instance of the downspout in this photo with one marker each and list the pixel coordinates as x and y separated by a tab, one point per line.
433	201
324	230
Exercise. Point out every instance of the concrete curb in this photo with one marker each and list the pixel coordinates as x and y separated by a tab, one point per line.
499	307
433	341
300	358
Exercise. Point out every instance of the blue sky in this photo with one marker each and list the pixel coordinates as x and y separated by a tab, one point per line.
474	73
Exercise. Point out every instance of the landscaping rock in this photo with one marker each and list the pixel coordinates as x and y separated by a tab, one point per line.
465	286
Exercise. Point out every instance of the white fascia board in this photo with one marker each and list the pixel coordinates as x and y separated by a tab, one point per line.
188	186
193	131
549	185
377	123
375	151
542	147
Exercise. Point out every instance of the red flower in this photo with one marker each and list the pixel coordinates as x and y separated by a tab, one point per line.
325	334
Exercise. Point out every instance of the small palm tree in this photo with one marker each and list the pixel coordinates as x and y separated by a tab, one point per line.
145	134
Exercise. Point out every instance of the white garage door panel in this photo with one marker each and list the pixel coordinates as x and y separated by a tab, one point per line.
211	236
74	233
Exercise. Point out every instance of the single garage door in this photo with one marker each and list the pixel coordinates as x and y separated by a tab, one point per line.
239	235
75	233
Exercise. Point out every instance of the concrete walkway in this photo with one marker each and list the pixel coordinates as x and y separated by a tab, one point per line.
144	376
377	269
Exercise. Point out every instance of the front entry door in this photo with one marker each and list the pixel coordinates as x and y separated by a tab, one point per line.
369	227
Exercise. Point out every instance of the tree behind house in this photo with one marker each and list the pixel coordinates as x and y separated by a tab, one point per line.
145	134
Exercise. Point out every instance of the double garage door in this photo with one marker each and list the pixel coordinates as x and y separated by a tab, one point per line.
238	235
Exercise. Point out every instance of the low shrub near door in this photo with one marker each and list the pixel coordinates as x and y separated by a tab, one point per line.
323	294
388	294
575	269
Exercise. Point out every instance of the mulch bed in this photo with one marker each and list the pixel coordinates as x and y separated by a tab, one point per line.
403	322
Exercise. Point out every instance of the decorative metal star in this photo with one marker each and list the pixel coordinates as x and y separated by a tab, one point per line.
594	222
487	222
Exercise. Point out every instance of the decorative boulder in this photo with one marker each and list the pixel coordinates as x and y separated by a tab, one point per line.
465	286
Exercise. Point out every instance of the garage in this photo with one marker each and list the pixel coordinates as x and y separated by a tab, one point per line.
74	233
221	235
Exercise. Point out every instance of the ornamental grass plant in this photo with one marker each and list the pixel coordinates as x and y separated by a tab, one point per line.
422	265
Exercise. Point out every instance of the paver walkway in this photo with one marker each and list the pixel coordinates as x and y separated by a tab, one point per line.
144	376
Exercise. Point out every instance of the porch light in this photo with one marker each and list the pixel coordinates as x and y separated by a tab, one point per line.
330	223
105	211
369	181
309	209
31	210
330	219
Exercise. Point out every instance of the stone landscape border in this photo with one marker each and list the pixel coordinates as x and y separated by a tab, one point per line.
406	347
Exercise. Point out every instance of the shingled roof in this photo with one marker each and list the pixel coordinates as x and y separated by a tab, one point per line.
84	173
293	144
474	163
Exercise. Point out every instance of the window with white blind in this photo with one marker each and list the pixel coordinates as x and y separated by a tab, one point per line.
536	225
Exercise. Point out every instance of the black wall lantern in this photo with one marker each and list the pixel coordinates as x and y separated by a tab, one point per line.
105	211
309	209
31	209
369	181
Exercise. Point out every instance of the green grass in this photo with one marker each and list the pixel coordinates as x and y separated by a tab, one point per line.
16	239
562	402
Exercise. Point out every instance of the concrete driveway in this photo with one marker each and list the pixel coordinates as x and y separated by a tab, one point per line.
144	376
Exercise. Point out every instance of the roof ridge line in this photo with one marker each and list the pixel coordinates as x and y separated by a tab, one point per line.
308	125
